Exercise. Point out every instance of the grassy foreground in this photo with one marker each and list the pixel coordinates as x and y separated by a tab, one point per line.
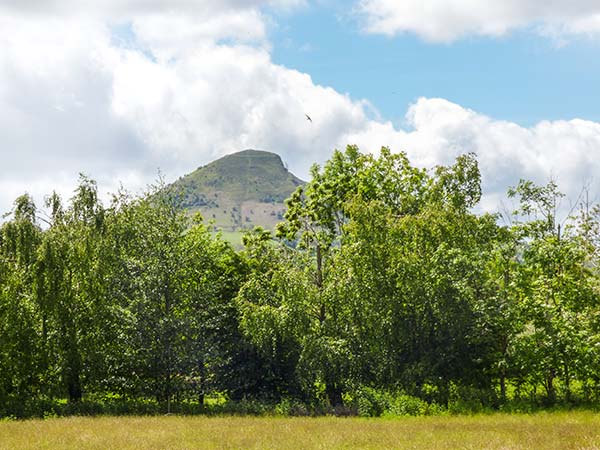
577	430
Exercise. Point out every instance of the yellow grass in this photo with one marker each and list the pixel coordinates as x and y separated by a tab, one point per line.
541	431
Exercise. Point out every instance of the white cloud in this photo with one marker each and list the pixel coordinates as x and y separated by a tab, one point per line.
568	151
448	20
191	111
119	9
172	35
73	99
55	113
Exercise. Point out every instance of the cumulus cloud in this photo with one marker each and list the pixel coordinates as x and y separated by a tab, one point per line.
448	20
189	111
438	131
74	98
55	117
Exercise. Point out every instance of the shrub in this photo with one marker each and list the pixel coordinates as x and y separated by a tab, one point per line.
467	400
371	402
290	407
407	405
375	403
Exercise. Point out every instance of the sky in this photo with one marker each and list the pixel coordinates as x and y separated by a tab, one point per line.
125	91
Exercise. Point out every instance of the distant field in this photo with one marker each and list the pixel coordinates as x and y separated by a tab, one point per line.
234	238
560	431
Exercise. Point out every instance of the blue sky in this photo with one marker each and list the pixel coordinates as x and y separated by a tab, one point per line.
120	90
521	77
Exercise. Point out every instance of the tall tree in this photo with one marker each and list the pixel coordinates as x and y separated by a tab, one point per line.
21	374
70	284
557	288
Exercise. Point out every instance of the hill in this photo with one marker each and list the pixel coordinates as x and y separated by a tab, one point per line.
238	191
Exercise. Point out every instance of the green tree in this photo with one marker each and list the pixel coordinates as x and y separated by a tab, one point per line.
21	372
70	287
351	223
557	289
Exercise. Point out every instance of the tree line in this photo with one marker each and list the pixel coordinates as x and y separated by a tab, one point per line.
381	279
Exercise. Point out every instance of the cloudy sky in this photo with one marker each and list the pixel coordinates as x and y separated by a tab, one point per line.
120	90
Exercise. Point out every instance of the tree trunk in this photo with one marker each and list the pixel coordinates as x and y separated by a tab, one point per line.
74	391
73	378
549	385
72	369
567	379
334	394
319	267
502	386
319	282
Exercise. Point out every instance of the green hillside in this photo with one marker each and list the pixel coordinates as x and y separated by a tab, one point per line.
238	191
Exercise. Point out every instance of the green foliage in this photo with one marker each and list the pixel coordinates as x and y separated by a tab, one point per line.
376	403
381	293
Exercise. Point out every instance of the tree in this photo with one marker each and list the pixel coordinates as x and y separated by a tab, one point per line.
70	273
275	312
21	371
556	289
351	223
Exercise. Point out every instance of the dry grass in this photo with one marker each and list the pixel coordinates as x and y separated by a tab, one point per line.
562	431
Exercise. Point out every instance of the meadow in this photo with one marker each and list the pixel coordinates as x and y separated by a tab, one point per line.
559	430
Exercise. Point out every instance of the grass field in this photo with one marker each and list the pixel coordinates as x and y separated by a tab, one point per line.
577	430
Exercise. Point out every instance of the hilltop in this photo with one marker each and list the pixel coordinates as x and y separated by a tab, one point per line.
239	191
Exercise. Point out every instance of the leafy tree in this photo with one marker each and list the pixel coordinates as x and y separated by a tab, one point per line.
556	289
21	374
381	278
70	286
275	310
347	222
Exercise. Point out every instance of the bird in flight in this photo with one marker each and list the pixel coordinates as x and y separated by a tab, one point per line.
308	118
